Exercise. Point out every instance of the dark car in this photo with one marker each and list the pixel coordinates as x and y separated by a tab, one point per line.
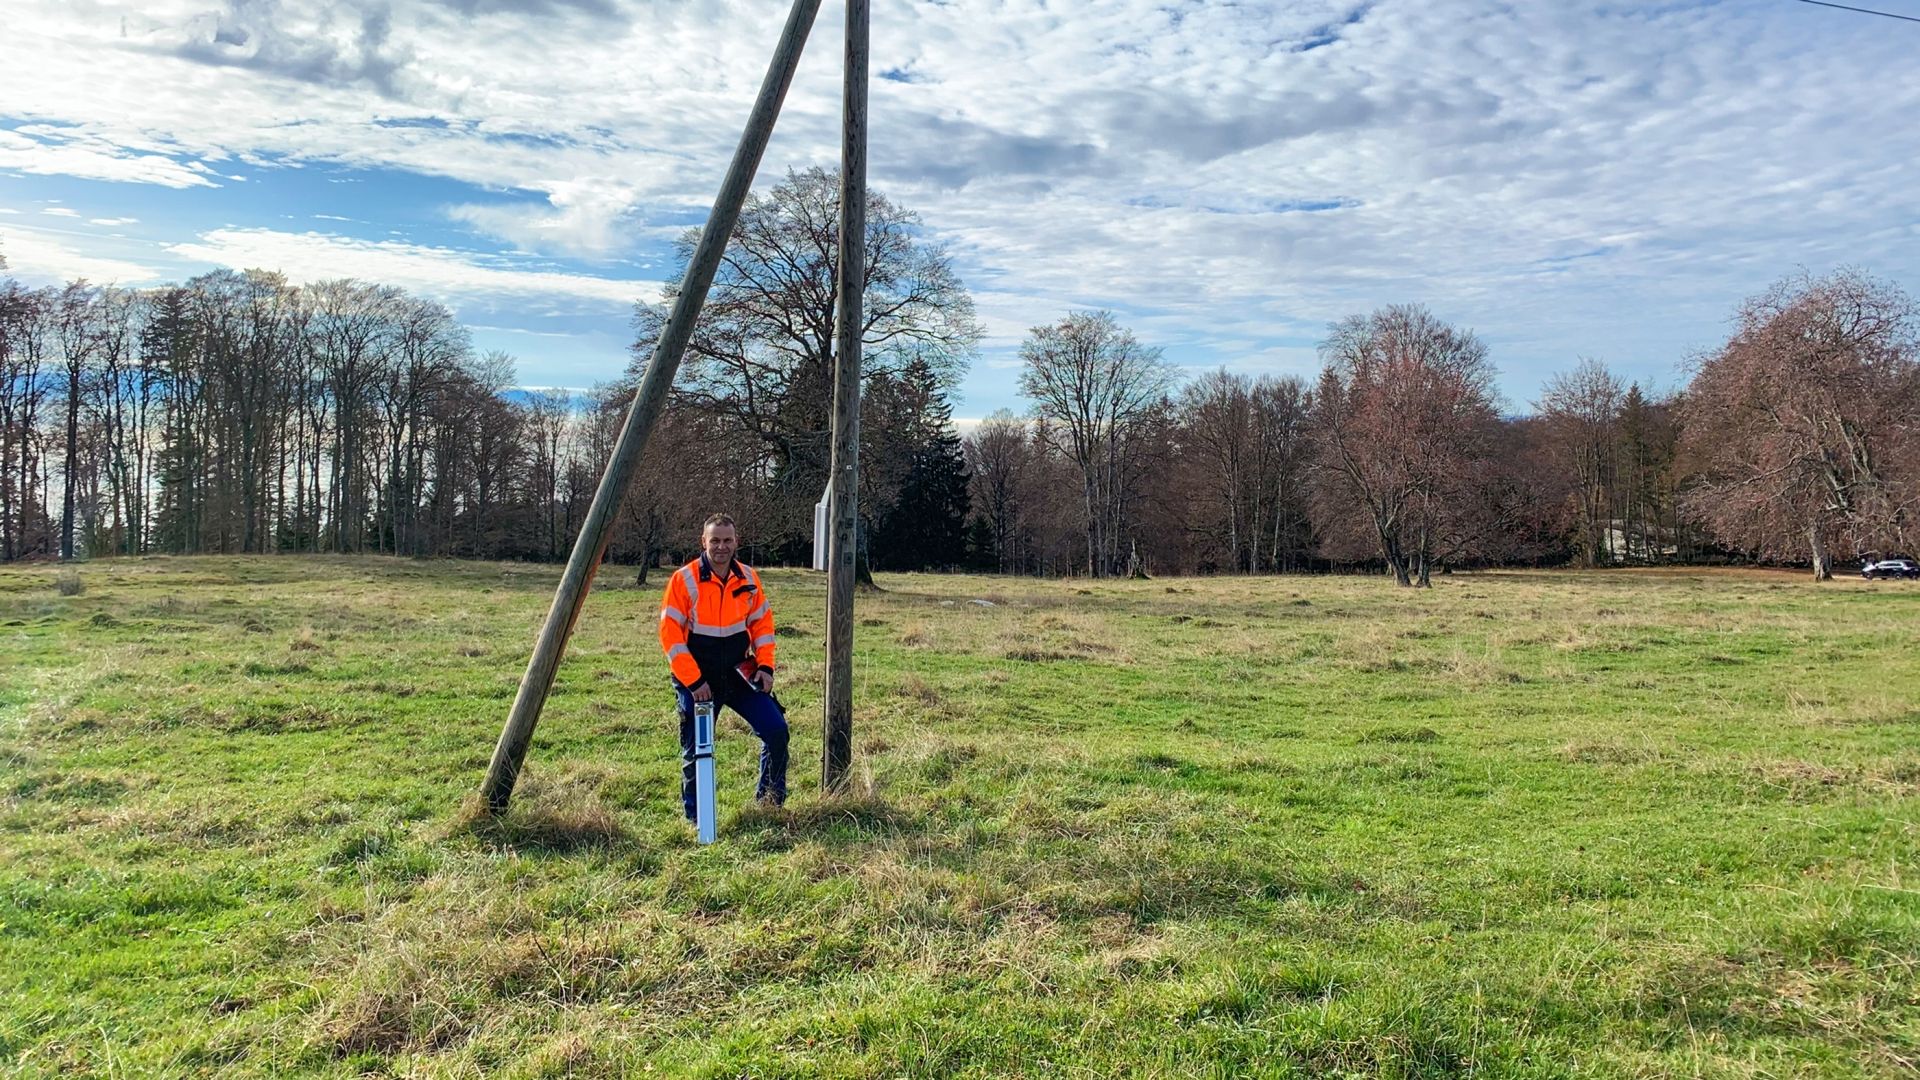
1885	568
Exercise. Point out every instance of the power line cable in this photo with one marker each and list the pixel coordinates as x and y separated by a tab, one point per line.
1861	10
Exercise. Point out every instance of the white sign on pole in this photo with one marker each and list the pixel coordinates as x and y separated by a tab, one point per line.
705	813
820	529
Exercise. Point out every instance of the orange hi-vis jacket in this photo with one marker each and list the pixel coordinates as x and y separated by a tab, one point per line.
709	624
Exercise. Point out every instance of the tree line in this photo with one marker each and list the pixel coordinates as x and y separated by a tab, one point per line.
236	413
240	413
1797	442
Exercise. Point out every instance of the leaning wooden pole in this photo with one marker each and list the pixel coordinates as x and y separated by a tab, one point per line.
511	751
836	742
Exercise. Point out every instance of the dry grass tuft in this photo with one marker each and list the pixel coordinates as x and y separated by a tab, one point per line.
1033	655
918	689
1861	711
938	761
381	1018
564	1056
859	812
1800	778
1794	773
1069	645
404	979
1482	669
369	1022
564	813
1397	734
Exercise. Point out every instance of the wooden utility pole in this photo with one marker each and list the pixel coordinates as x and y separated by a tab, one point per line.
511	751
836	742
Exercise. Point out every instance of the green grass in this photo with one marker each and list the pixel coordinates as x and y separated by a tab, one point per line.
1612	824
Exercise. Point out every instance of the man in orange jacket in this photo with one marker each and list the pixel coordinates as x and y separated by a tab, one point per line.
716	628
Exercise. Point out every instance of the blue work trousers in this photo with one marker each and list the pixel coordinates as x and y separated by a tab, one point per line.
767	719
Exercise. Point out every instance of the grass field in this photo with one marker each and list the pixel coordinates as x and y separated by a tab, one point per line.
1542	824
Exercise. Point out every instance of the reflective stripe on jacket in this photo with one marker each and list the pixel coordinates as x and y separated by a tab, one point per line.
708	624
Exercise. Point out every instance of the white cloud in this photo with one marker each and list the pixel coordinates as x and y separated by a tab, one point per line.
112	222
455	277
60	211
522	331
44	258
91	162
583	216
1007	315
1566	178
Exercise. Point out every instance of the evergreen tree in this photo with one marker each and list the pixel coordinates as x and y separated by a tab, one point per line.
168	344
926	527
983	553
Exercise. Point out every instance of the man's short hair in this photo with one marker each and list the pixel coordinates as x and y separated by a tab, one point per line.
719	519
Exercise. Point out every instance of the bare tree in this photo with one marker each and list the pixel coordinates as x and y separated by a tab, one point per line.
663	513
1802	423
1000	463
481	451
762	354
1217	418
430	352
548	413
1582	411
1245	449
25	345
246	346
1094	386
1404	411
1514	508
120	402
1282	417
354	340
77	333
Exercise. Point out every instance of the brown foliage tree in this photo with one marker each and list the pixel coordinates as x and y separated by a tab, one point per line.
1803	425
1404	420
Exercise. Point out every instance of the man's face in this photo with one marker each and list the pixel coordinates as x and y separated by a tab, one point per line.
719	542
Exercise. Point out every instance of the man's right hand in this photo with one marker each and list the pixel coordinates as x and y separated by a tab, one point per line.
702	692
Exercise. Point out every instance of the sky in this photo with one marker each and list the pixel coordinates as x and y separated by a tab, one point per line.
1567	179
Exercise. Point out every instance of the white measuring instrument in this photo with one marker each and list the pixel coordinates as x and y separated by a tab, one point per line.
703	809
